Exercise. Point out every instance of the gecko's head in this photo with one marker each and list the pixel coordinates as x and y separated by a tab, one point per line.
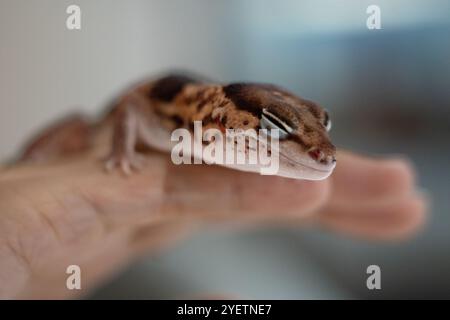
305	149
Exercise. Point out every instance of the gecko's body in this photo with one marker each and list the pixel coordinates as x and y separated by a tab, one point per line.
147	114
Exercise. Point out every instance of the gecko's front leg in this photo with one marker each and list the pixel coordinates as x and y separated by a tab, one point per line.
128	119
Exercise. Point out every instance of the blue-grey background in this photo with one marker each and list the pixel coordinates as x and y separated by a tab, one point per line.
387	90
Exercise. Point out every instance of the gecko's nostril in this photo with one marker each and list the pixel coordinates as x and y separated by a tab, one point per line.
319	156
316	154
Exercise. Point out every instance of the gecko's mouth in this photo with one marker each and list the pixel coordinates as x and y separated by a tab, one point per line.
307	168
301	165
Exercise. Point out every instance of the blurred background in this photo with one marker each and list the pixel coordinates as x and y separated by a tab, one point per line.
388	92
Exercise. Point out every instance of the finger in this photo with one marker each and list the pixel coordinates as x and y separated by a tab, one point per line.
361	179
165	190
216	192
386	221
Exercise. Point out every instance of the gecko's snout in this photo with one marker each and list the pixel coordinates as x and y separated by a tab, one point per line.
322	156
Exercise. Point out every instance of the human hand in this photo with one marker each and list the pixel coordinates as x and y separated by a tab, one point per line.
71	212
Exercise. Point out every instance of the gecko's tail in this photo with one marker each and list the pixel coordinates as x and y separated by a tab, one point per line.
66	136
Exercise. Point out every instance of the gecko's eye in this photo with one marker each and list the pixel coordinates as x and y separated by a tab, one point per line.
270	121
327	122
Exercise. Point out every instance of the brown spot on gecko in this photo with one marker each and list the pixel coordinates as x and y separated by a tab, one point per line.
207	120
224	120
202	104
165	89
244	97
254	97
308	129
178	120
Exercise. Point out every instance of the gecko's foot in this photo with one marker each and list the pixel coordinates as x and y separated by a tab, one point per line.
125	162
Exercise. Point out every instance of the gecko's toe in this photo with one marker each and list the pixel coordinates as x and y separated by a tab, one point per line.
110	164
138	161
127	164
126	167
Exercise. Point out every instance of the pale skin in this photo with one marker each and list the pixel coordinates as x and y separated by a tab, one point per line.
71	212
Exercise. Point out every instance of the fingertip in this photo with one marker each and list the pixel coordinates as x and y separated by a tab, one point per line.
386	222
406	222
400	174
414	217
